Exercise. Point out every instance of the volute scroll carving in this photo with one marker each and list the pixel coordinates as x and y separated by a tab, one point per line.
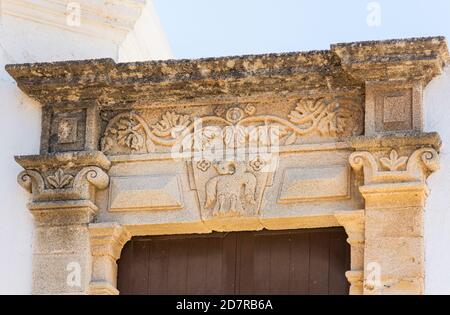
396	168
60	177
33	181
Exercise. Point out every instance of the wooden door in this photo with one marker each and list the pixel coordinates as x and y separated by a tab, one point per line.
265	262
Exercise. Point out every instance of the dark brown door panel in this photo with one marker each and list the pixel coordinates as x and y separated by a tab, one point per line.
310	261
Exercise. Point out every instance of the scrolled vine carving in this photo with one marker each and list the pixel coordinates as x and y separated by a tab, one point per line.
330	117
127	130
238	125
170	125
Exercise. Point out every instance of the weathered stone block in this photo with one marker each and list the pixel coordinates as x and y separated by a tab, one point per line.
64	239
61	274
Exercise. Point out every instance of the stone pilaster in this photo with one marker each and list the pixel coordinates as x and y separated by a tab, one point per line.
63	189
353	222
107	241
394	191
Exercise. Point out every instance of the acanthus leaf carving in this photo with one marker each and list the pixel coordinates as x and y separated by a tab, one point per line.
394	162
59	179
62	186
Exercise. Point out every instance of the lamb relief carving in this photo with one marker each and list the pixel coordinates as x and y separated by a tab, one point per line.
231	191
229	188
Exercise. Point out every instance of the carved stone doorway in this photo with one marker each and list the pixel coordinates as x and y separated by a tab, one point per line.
321	139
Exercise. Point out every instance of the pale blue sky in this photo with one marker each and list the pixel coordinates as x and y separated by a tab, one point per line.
205	28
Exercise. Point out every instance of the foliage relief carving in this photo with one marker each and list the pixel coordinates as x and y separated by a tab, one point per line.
327	117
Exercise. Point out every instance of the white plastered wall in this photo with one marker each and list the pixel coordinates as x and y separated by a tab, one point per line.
26	40
437	216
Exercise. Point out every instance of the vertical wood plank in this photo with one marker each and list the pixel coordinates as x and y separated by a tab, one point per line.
319	262
245	264
124	269
158	267
229	269
177	267
299	264
279	263
338	263
196	268
214	265
139	267
262	270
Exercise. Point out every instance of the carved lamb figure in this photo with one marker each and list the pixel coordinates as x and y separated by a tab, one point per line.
224	191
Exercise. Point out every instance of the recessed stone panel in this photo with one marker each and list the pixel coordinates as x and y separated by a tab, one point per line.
140	193
310	184
68	130
394	110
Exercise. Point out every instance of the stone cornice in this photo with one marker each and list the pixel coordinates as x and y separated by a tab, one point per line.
400	139
389	60
339	69
113	21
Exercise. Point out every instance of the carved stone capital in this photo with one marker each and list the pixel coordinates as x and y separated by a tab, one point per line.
395	179
63	176
395	168
353	222
63	180
107	241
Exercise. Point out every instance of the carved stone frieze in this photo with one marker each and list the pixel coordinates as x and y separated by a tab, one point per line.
129	132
